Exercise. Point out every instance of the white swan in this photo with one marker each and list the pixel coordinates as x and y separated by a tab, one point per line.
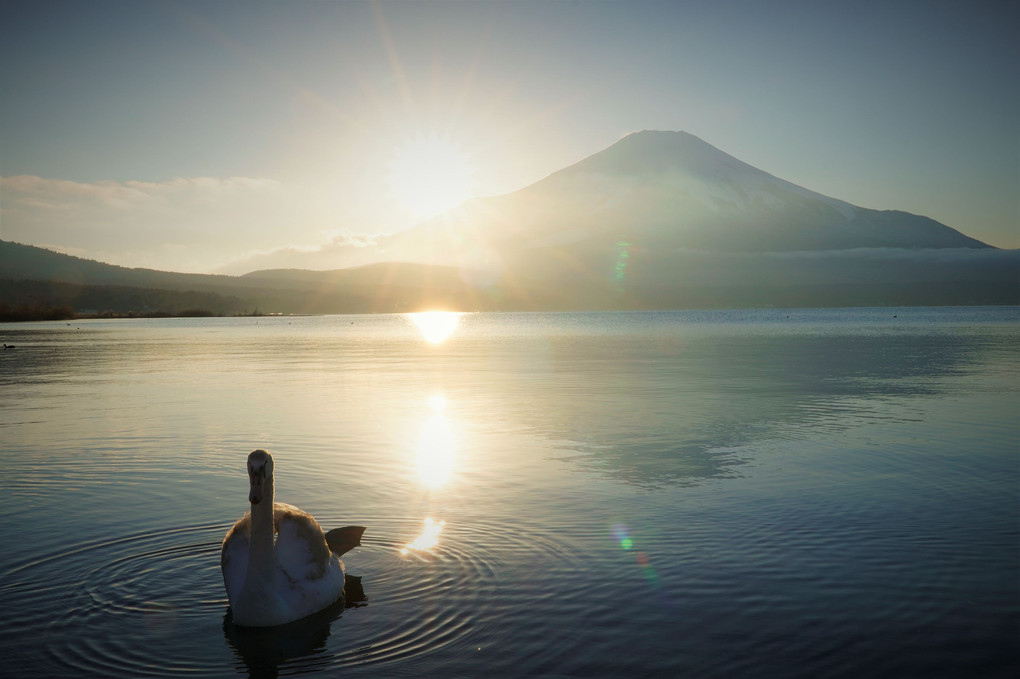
275	581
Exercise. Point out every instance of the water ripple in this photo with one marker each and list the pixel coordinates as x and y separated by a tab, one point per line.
131	606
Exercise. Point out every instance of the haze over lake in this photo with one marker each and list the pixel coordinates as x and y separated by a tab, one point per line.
816	493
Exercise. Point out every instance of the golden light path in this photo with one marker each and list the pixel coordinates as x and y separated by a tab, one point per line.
435	467
436	326
435	446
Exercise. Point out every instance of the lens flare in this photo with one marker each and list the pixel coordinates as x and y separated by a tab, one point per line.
623	251
646	568
622	535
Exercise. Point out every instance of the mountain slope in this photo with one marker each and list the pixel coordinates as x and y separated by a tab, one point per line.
662	191
678	189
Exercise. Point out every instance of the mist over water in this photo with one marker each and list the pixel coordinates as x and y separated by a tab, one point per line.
726	493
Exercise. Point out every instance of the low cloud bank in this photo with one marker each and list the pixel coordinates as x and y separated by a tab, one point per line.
181	224
343	249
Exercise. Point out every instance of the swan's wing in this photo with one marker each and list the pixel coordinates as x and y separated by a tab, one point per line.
343	540
309	576
234	556
301	550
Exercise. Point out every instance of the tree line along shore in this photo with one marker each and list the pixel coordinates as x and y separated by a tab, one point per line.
65	312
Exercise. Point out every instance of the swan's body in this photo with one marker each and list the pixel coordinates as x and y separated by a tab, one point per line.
277	564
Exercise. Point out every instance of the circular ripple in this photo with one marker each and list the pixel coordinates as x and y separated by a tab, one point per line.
424	600
153	604
122	607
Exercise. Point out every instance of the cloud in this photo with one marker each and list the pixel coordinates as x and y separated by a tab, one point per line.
850	266
183	223
62	194
890	254
343	248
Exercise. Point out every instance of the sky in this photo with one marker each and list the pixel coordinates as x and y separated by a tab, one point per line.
199	136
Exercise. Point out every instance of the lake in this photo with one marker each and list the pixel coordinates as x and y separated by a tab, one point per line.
761	493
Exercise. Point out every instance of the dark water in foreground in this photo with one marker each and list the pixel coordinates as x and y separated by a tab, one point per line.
828	493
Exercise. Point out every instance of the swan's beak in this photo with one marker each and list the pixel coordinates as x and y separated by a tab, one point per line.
255	494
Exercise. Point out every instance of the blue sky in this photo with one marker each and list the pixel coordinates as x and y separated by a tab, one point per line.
191	135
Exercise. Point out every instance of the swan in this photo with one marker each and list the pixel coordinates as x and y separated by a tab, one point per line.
275	581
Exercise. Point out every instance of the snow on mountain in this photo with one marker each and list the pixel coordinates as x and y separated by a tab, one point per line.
664	191
685	164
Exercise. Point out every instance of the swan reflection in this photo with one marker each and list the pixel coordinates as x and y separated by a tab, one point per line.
264	649
435	326
428	539
435	446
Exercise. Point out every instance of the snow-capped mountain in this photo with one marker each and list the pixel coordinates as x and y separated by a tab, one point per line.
662	192
659	220
665	220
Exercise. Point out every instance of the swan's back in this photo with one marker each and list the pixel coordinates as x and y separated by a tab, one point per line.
308	575
301	549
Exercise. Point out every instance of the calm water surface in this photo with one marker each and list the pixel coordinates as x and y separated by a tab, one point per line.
827	493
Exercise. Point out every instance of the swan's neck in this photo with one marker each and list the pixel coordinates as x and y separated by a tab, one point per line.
261	550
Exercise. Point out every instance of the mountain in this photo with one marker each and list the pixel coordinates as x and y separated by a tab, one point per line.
665	220
662	192
657	220
675	190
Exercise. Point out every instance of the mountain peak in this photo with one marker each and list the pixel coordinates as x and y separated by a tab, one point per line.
662	135
674	140
674	190
656	151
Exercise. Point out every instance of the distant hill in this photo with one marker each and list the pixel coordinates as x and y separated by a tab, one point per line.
876	277
19	261
35	276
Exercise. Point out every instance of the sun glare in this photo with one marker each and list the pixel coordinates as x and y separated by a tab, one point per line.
437	402
428	539
435	452
430	175
435	326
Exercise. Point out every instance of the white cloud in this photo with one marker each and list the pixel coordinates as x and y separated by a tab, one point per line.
183	223
39	192
343	248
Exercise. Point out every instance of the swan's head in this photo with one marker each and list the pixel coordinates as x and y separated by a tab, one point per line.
260	470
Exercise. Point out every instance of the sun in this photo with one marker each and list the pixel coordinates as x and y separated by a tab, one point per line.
435	326
430	175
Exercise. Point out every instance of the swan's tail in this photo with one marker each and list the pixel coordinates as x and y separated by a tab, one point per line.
343	540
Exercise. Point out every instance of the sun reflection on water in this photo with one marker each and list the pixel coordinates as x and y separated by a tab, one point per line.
435	452
435	326
435	446
437	402
428	539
